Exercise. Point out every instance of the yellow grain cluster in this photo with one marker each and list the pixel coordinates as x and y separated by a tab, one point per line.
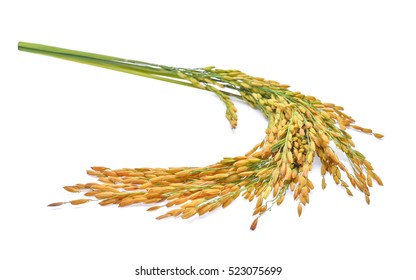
300	128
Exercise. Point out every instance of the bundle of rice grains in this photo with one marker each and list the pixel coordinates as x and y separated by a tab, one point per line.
299	129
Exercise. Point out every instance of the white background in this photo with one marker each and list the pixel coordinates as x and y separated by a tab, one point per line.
58	118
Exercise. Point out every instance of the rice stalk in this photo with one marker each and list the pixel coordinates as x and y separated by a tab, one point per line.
300	128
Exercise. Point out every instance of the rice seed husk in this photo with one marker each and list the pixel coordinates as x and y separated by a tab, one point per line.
72	189
188	213
299	209
378	135
79	201
55	204
153	208
254	224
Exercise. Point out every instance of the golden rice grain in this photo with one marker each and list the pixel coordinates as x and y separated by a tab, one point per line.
79	201
71	189
153	208
99	168
109	201
378	135
204	209
56	204
103	195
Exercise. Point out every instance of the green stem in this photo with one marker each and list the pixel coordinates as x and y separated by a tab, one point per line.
109	62
135	67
